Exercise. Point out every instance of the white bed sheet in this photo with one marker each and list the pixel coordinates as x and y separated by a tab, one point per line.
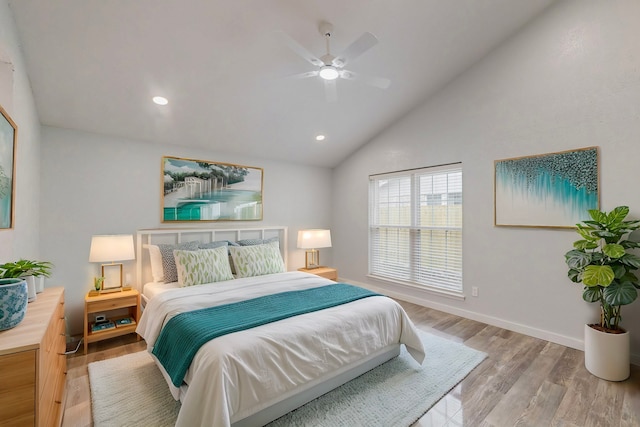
152	289
237	375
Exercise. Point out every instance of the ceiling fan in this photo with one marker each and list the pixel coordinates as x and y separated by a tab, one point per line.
330	67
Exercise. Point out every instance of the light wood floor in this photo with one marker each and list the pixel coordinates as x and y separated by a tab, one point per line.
524	381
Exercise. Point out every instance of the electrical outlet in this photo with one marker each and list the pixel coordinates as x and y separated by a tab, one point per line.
474	291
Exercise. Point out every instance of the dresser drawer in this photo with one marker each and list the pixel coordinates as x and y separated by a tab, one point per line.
17	397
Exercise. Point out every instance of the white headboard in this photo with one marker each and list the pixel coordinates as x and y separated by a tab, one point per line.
204	235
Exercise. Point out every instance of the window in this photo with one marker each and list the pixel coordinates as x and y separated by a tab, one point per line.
415	227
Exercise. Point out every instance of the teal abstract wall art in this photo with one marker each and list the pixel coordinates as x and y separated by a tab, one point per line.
549	190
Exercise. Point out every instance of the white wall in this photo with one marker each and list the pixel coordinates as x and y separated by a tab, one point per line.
570	79
17	99
93	184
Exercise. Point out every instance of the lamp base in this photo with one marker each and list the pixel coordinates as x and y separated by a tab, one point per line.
312	259
112	274
110	290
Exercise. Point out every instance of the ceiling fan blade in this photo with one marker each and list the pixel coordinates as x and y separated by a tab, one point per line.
330	90
355	49
299	49
304	75
379	82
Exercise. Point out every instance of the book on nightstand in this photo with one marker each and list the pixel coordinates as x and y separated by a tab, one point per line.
125	322
99	327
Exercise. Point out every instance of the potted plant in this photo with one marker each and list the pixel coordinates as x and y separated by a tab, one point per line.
23	268
97	282
28	270
13	302
601	261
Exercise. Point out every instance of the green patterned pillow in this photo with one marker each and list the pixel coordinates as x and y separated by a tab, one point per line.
202	266
257	260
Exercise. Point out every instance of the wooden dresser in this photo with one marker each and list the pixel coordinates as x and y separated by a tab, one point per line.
33	365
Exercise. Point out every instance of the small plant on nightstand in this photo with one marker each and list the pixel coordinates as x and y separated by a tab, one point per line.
97	283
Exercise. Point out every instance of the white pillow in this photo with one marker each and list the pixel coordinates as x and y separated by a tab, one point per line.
257	260
202	266
155	258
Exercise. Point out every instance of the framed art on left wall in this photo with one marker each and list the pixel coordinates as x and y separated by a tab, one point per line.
8	131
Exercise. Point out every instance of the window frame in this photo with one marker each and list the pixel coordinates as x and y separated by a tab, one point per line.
416	200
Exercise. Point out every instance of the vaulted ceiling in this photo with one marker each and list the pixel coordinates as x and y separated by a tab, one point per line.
95	65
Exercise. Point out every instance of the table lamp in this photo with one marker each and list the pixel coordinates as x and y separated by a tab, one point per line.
109	249
312	240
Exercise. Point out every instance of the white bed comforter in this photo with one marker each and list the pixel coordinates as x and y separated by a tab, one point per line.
237	375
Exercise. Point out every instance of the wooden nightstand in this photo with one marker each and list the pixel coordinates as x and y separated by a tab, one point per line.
326	272
106	303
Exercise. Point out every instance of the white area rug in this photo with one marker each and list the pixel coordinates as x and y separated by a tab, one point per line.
130	391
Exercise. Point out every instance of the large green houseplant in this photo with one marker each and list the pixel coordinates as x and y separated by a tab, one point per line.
602	263
601	260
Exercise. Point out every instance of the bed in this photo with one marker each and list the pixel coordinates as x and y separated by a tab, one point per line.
253	376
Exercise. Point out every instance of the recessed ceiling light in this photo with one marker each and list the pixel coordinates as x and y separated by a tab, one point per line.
320	138
160	100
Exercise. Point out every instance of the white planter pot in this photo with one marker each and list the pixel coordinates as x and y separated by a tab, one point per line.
39	284
607	356
31	287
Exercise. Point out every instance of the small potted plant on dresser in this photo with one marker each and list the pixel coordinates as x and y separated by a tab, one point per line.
601	261
27	270
14	293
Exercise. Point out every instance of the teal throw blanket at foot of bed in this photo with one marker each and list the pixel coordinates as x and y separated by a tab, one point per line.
189	331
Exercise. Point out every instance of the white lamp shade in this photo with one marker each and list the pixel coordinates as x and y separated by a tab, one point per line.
110	248
314	239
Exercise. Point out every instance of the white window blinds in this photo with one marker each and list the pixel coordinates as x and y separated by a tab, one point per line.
415	227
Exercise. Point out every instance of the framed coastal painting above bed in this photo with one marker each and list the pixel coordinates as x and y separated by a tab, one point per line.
553	190
203	190
8	131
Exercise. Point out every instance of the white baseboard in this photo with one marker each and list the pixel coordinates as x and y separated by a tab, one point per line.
578	344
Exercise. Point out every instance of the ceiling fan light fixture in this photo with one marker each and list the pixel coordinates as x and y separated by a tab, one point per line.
329	72
160	100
